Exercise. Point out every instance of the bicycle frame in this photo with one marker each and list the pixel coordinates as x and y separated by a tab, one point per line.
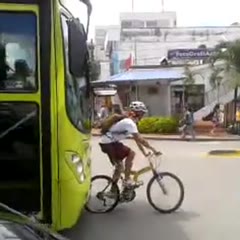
142	171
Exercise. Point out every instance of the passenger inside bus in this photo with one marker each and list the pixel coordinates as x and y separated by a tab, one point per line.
21	74
18	55
17	77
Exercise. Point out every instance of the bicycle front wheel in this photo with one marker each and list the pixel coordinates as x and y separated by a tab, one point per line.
104	196
159	196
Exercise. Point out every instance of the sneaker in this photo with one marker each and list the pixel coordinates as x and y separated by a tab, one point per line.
130	183
110	195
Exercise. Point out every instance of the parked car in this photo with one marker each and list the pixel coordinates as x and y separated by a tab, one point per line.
15	225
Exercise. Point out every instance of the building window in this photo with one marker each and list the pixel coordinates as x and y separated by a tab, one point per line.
163	23
126	24
18	48
137	24
153	90
192	95
77	103
152	24
100	32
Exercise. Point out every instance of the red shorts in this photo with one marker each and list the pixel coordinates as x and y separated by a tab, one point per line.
116	151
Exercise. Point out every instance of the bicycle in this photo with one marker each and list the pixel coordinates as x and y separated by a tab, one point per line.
128	194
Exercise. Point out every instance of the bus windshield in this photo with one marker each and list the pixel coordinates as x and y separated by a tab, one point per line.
18	41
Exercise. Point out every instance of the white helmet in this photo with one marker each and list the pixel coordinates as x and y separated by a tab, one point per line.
138	106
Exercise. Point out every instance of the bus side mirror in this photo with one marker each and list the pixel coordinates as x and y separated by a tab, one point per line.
78	51
103	91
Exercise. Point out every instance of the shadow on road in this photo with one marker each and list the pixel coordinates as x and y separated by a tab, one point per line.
135	221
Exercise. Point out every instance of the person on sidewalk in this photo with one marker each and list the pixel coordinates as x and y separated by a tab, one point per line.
238	120
188	123
216	119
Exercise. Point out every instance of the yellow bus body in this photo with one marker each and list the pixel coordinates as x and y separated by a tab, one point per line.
64	184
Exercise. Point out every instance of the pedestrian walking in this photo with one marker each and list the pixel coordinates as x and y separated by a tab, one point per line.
188	124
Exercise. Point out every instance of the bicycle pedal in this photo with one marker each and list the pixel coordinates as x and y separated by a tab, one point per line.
139	184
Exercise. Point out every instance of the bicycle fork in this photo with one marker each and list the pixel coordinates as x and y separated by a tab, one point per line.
159	181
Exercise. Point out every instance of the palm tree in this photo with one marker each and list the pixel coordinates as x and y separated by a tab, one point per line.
231	56
188	81
216	79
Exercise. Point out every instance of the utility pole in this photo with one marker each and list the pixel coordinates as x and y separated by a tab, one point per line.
135	51
91	50
132	5
162	5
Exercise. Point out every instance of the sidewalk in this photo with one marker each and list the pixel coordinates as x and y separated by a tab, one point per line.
219	137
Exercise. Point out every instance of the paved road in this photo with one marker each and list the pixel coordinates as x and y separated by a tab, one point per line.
210	211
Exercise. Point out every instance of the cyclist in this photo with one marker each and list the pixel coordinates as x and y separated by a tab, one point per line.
117	151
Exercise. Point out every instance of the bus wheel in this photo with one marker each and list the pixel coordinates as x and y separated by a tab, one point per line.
104	196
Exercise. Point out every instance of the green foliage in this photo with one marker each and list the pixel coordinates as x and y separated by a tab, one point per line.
229	52
162	125
216	77
189	76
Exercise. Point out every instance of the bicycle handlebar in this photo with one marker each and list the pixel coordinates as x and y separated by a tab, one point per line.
150	154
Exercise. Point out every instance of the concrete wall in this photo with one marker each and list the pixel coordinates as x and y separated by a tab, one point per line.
158	104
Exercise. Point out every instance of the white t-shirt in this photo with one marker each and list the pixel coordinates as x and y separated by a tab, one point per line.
103	113
119	131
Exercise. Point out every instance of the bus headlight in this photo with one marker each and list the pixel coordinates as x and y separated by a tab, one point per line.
75	163
82	177
75	159
80	168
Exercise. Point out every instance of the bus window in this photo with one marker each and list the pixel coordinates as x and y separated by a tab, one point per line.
18	41
77	100
20	155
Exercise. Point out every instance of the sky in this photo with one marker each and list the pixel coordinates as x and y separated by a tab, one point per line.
189	12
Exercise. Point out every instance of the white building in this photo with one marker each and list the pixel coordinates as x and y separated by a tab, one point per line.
149	37
148	19
101	37
108	37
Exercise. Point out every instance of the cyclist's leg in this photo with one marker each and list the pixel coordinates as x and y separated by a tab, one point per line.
129	164
110	150
117	171
124	152
117	152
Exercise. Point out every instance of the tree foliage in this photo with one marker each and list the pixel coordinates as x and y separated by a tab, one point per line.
229	52
189	76
216	77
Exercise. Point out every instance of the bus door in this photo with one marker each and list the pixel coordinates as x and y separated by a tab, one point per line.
25	140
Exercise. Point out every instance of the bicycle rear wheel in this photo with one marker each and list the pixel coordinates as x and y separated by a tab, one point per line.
105	197
159	179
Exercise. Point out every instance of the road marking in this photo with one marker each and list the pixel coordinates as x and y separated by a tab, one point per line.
206	155
223	153
209	143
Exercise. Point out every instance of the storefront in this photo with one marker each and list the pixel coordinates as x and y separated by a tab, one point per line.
191	95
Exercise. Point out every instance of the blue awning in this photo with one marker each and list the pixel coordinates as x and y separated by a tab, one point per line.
137	75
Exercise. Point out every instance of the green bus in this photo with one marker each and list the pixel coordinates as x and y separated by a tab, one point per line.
45	104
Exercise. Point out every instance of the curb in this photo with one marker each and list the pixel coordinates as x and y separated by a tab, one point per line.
202	139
